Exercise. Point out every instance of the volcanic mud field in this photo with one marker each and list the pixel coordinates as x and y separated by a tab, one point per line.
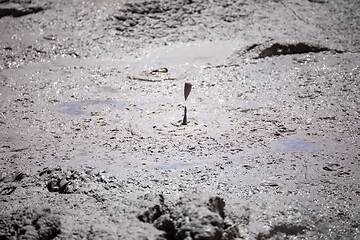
92	100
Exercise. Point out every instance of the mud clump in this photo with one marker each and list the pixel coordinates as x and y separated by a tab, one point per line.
10	183
192	220
56	181
30	223
72	181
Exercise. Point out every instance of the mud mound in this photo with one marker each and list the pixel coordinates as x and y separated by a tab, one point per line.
277	48
71	181
191	220
30	223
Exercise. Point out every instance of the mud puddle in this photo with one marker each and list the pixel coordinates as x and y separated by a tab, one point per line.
177	61
198	53
88	106
296	145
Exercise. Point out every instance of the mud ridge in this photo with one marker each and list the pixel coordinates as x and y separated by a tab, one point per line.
30	223
277	48
285	49
18	10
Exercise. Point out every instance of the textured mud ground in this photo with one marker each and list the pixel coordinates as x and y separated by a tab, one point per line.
92	102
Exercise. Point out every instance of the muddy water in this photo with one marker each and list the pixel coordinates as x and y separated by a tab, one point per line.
272	119
192	54
103	91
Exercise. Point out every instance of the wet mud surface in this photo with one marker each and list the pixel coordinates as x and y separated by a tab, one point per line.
92	144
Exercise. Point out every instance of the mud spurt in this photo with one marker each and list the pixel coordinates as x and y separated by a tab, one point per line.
187	90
